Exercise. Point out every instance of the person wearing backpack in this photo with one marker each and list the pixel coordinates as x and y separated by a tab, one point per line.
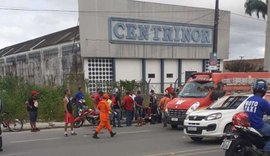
69	118
117	109
32	108
153	107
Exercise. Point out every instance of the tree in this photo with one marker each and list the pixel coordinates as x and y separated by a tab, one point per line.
257	6
260	6
242	66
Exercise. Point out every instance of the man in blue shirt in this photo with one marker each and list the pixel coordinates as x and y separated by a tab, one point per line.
256	107
79	96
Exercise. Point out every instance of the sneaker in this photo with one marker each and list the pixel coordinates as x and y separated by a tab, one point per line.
120	126
37	129
73	133
113	134
95	136
33	130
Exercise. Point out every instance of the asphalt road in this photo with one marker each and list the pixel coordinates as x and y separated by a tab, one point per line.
150	140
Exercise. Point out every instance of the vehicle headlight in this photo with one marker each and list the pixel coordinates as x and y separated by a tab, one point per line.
214	116
193	107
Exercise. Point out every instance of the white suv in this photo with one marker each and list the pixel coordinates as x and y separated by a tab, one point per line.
216	120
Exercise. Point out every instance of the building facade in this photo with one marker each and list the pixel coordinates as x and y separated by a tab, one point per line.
156	43
50	59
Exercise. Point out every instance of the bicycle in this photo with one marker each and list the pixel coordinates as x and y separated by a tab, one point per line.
12	124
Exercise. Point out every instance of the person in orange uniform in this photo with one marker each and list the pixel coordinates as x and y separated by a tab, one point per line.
104	116
162	105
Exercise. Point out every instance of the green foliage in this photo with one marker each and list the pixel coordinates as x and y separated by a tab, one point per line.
134	86
129	85
242	66
257	6
14	91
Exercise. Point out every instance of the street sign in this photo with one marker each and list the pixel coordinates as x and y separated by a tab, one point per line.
213	62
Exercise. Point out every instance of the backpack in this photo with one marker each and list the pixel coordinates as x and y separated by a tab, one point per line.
69	105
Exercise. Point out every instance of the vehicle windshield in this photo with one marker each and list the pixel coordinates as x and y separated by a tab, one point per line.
231	102
196	89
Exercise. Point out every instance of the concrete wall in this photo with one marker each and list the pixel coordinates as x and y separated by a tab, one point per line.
153	67
94	29
190	65
128	69
170	67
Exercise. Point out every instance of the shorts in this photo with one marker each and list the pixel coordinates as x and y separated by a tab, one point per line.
139	112
69	119
32	116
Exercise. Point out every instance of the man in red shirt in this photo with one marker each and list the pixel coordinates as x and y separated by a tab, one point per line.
128	105
169	90
97	97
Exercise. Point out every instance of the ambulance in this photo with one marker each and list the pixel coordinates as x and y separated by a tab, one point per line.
201	89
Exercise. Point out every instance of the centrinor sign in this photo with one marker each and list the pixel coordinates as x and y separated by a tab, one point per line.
132	31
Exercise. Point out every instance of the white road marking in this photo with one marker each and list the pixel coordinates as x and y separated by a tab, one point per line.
198	153
58	138
187	152
28	131
134	132
11	154
117	133
35	140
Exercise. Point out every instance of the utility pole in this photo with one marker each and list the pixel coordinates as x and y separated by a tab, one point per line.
215	35
267	43
213	62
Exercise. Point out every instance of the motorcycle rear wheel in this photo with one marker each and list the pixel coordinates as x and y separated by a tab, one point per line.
78	123
240	147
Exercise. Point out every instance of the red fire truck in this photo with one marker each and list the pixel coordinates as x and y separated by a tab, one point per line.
201	89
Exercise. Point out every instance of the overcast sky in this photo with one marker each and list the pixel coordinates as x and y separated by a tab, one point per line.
247	35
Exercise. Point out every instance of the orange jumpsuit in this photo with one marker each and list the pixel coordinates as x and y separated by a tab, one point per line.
163	103
104	116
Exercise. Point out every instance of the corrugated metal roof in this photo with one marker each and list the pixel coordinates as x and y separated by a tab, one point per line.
59	37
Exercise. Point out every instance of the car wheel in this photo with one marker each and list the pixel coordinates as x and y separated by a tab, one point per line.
174	126
197	139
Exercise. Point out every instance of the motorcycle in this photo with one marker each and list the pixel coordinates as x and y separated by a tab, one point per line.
244	141
87	114
12	124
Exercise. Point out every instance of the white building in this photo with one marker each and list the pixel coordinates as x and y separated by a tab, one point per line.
123	40
132	40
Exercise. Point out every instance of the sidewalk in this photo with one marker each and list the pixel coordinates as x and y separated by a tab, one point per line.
51	125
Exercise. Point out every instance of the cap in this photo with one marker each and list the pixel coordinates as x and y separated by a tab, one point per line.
106	96
34	92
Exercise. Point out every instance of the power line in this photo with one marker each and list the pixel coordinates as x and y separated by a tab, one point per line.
97	11
116	12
